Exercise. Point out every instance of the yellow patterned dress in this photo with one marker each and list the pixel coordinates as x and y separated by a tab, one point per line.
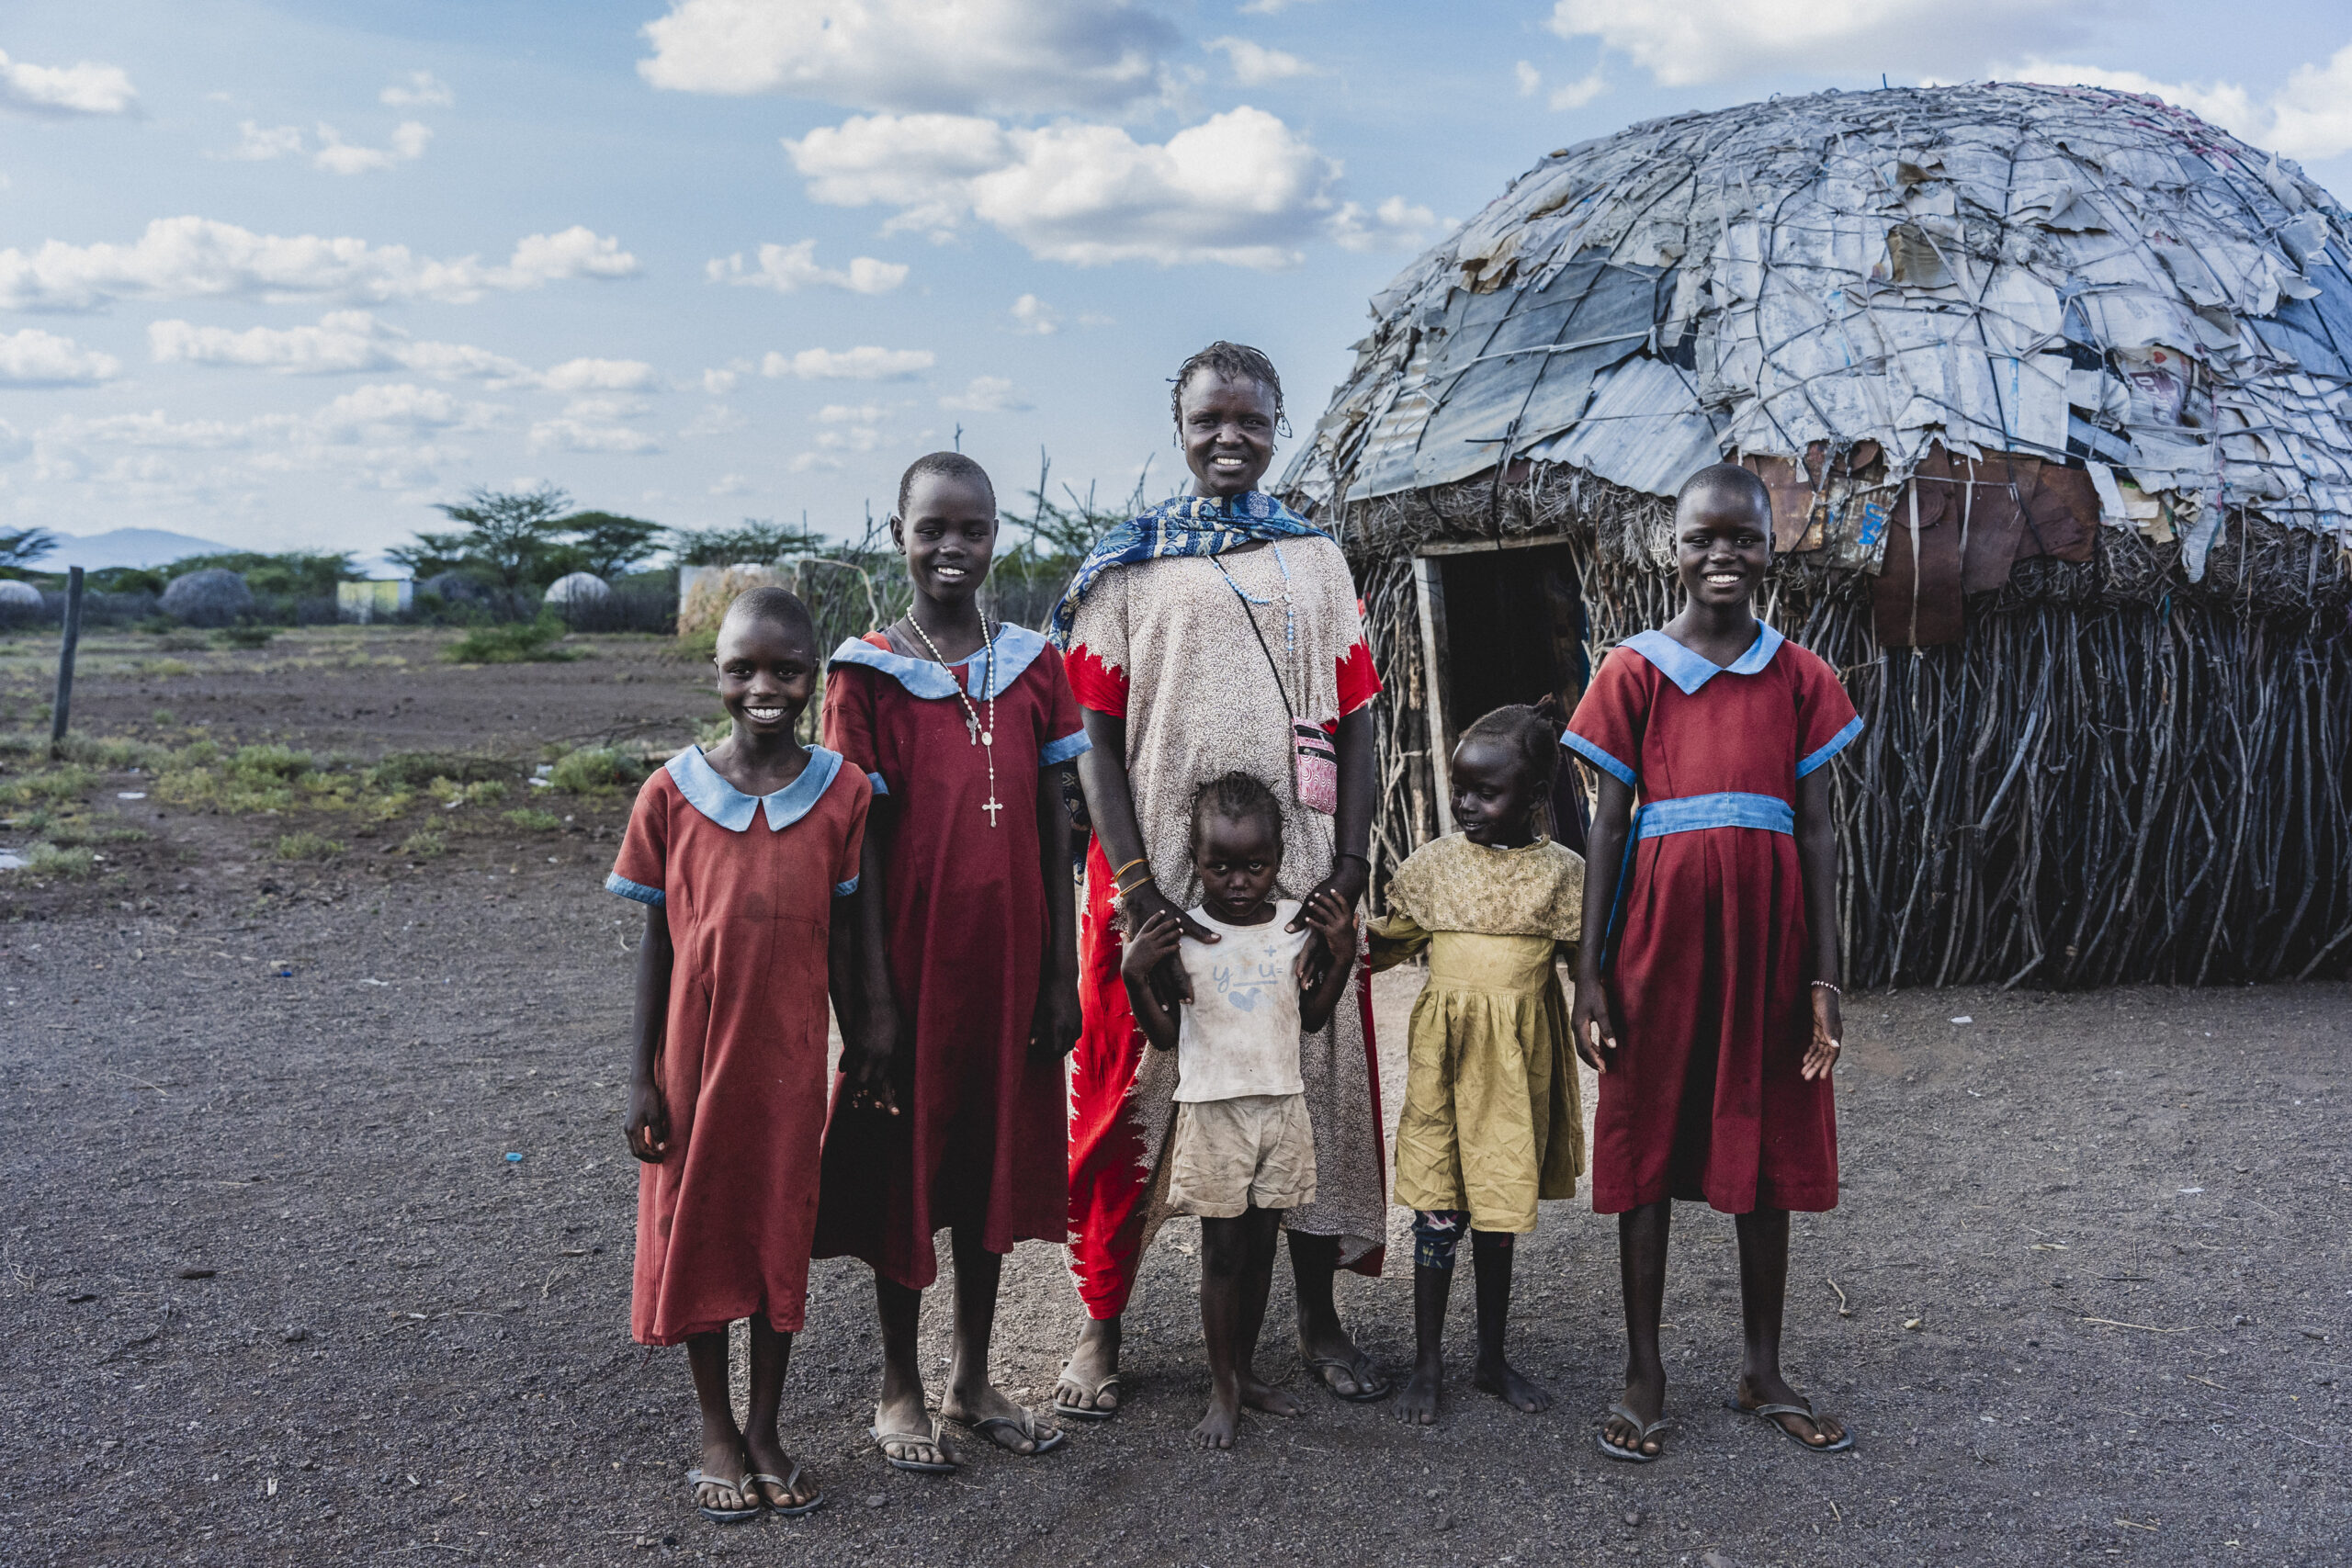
1492	1119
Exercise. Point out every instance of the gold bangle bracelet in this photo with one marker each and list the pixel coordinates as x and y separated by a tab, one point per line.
1125	892
1126	868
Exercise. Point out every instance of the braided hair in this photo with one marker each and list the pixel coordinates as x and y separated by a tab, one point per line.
1236	797
1235	362
1521	729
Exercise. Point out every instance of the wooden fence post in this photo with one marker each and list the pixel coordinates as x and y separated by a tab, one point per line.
65	703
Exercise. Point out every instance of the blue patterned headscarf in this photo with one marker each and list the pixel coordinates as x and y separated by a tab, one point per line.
1186	525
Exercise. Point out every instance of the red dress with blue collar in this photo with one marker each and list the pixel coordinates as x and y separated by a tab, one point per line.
1711	958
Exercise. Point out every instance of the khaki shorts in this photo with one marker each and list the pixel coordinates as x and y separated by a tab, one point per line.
1256	1151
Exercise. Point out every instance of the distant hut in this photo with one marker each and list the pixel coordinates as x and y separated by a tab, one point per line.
2052	388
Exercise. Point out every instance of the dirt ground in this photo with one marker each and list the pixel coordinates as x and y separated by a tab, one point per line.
276	1293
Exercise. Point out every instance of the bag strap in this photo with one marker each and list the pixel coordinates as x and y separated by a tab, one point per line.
1251	617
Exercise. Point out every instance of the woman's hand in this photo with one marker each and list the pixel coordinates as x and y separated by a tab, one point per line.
1335	922
648	1127
867	1059
1054	1027
1828	1034
1347	881
1170	986
1593	1022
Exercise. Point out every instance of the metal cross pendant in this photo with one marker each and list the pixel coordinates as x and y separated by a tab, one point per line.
991	805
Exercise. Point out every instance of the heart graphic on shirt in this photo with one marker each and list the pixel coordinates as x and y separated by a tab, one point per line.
1246	1000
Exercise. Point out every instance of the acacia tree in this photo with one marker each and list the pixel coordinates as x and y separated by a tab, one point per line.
507	532
608	543
20	549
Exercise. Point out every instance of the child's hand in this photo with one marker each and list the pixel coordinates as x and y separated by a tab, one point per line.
866	1060
1054	1026
1334	921
648	1127
1152	943
1828	1034
1593	1024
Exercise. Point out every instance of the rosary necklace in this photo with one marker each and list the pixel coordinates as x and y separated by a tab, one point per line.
1290	610
984	737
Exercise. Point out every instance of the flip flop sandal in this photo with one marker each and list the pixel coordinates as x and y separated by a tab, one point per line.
786	1484
920	1467
1767	1412
1026	1426
1080	1413
1365	1393
1632	1455
696	1480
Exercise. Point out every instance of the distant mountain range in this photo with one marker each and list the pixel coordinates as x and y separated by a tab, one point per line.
124	547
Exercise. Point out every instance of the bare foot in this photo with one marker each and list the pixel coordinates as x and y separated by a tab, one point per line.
1092	1365
1331	1356
1258	1394
1217	1427
907	1433
1820	1431
1416	1406
1502	1380
767	1457
1647	1398
985	1402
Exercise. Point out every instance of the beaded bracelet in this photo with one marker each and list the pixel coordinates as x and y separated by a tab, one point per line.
1832	989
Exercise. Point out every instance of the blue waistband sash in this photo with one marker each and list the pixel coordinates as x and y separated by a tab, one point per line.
1688	815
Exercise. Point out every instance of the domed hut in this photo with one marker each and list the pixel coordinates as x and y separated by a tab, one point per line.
2052	388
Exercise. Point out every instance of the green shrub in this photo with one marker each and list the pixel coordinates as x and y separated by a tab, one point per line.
425	843
67	782
271	761
524	642
113	755
592	769
415	769
84	831
307	845
535	820
246	637
49	860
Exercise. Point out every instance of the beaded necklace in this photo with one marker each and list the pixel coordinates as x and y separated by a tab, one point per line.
1290	610
983	737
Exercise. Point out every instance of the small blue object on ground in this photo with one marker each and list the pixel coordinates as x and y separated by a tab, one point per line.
513	1159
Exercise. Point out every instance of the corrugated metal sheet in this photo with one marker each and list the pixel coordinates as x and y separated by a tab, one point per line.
2074	274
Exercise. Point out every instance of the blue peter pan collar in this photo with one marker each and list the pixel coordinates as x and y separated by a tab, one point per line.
1691	670
712	795
1016	648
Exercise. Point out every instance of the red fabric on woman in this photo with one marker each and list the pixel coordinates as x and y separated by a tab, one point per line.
724	1221
979	1137
1704	1096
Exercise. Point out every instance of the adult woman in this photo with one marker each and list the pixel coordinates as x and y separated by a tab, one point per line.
1201	638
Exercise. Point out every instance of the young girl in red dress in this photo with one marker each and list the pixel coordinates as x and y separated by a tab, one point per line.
1713	1019
949	1111
739	855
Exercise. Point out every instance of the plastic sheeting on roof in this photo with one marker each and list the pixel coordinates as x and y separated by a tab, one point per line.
2071	274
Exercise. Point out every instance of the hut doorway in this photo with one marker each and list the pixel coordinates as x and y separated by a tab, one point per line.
1499	624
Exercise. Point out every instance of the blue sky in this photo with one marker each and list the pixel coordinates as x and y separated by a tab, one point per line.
284	275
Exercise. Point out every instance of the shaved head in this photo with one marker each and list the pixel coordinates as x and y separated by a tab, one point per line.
1727	483
776	606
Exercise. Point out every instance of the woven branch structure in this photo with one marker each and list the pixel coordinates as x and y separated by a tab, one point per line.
2052	388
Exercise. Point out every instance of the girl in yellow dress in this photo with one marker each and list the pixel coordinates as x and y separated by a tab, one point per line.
1492	1120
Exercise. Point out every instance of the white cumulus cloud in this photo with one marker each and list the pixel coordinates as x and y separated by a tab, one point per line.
382	409
1254	64
260	143
1033	315
1241	187
1680	42
2310	115
789	268
182	258
35	358
1394	225
599	375
1528	77
418	89
568	435
83	88
987	394
967	56
1580	92
861	364
341	341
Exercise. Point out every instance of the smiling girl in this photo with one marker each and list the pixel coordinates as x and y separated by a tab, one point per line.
949	1111
1713	1019
739	855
